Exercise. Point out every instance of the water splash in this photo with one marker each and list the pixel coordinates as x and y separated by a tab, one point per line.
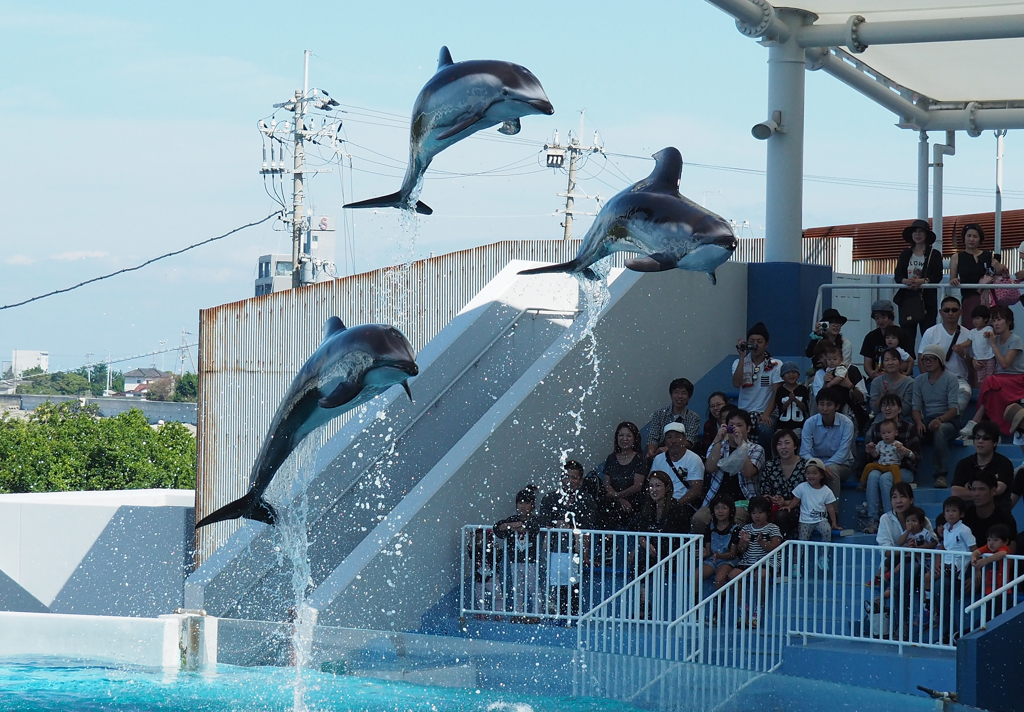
594	296
293	532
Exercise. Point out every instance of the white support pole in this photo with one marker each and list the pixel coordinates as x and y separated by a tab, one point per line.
939	150
784	192
922	177
998	248
951	29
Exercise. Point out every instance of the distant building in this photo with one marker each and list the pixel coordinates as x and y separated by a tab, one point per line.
274	274
135	382
22	361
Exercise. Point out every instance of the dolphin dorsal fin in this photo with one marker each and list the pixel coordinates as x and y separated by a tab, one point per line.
668	169
332	326
444	58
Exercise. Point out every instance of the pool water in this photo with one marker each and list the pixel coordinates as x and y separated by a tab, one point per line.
51	686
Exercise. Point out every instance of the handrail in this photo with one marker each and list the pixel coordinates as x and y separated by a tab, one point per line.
940	285
998	592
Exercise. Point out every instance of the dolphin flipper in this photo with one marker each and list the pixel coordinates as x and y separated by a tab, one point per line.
571	266
460	126
247	507
345	392
658	262
712	277
394	200
511	127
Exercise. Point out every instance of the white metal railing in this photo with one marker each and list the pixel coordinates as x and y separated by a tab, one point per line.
552	575
635	619
1001	598
896	597
945	287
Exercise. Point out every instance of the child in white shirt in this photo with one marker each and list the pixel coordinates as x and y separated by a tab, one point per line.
984	356
954	536
817	503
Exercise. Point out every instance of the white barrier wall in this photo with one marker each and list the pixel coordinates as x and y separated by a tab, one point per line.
121	552
656	327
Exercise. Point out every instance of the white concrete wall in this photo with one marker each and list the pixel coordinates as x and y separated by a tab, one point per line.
104	552
655	328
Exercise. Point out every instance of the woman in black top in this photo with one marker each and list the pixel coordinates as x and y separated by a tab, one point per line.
660	513
972	265
918	264
624	474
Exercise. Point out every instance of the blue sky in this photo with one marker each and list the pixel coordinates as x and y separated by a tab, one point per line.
131	131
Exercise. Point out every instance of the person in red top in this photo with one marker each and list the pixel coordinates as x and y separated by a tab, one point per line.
987	559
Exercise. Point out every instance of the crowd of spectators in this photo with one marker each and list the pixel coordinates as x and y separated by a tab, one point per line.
770	463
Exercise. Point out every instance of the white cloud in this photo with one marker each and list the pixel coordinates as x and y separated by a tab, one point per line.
19	260
79	255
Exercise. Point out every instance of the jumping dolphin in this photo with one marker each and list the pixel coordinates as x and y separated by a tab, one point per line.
653	218
459	100
350	367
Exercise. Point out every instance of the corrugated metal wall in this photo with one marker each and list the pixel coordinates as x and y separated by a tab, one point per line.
814	252
249	351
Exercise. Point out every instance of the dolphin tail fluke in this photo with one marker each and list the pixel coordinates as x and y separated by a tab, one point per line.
248	507
571	266
394	200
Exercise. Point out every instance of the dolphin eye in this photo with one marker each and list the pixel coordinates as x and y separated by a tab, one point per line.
504	91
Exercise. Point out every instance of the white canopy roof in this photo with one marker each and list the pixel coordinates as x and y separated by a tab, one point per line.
976	70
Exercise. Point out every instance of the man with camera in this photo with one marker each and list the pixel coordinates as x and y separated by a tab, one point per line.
755	373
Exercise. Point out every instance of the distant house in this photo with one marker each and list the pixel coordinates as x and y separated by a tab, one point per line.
135	382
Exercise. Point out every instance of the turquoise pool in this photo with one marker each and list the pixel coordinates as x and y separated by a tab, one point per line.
51	686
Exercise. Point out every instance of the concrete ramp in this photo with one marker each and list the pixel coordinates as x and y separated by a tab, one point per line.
383	452
498	400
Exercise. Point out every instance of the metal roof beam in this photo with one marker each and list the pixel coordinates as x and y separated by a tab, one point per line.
871	84
755	18
857	33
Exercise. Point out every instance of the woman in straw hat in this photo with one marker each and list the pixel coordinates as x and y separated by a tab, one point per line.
918	264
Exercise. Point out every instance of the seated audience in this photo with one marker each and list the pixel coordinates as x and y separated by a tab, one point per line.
829	435
846	382
679	391
828	330
731	468
780	476
721	541
683	466
716	402
879	482
892	380
569	508
981	511
1006	386
757	539
984	459
520	533
755	373
894	522
986	559
790	404
936	408
884	315
624	473
815	502
660	512
948	335
893	336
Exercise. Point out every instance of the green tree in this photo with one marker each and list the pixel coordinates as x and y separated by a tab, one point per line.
34	371
67	446
187	388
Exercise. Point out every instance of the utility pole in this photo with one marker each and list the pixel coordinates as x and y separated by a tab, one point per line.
556	159
299	104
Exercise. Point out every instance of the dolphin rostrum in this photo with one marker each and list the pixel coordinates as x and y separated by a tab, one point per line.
459	100
349	368
652	217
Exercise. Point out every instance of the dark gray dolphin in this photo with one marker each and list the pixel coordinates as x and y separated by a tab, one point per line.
652	217
459	100
350	367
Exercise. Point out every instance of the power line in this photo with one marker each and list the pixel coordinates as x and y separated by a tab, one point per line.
144	264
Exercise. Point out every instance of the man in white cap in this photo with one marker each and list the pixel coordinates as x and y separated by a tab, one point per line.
682	465
936	407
